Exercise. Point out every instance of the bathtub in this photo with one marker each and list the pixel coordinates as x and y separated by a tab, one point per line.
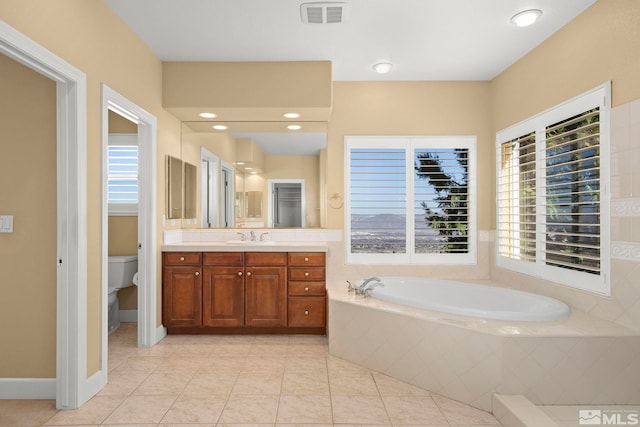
470	299
458	343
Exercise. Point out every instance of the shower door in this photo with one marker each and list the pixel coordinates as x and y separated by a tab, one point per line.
287	201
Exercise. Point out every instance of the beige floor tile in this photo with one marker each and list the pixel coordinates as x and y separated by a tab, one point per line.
346	385
250	409
123	383
459	414
223	365
304	409
141	409
340	366
207	384
306	350
305	383
257	383
264	364
146	364
179	425
26	413
308	339
245	425
196	409
389	386
130	425
161	383
417	410
268	350
358	410
232	350
306	364
95	411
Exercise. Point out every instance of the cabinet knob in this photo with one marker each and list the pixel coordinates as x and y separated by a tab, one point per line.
181	258
306	274
306	289
249	273
306	312
306	259
239	273
197	273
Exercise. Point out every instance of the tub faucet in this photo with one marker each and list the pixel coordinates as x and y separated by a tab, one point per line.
366	286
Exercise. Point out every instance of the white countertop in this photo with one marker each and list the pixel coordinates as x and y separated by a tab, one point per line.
269	246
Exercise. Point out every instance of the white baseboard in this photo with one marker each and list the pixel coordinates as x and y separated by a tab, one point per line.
129	316
27	388
161	332
94	384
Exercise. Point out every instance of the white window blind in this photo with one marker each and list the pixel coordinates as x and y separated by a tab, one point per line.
122	175
552	213
410	200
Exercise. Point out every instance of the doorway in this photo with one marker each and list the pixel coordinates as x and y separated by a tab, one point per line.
286	203
148	333
217	191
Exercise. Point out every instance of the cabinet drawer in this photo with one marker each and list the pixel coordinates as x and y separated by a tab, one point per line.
297	259
223	258
182	258
306	288
265	258
306	273
306	311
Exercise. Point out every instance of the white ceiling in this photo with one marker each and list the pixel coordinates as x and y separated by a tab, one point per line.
288	144
425	39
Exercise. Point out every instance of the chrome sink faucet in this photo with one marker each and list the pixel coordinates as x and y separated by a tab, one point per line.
263	236
243	237
253	236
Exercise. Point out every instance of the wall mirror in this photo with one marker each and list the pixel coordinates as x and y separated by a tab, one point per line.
174	187
256	174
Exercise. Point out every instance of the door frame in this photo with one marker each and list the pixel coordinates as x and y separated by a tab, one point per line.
303	208
148	333
209	182
72	387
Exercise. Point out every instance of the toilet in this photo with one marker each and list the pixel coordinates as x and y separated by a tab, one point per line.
122	273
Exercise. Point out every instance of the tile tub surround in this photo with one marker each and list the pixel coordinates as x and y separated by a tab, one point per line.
583	360
244	381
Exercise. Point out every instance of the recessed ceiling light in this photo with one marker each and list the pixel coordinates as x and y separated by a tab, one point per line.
248	169
291	115
208	115
220	127
526	17
294	127
239	163
382	67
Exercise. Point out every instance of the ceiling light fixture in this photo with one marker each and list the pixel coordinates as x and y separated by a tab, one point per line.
382	67
526	17
239	163
208	115
294	127
291	115
220	127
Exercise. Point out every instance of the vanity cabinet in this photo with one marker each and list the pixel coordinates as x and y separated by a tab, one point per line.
244	292
266	289
223	289
306	300
182	289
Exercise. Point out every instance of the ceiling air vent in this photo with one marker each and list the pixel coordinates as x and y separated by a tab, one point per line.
323	12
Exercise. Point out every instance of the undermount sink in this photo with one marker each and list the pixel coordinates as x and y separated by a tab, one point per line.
251	242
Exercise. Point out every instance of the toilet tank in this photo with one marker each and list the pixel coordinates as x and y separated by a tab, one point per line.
121	271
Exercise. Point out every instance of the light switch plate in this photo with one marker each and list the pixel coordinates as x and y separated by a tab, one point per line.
6	223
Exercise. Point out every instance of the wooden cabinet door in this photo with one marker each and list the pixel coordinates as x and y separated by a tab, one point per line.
266	296
223	296
182	296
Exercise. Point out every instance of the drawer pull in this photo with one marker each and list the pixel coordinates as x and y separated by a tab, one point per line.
239	273
181	258
197	273
306	289
306	259
249	273
306	312
306	274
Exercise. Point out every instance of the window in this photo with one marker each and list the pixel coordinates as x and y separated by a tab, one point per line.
410	200
122	174
552	213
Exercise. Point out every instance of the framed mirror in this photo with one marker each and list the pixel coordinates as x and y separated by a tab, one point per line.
174	187
245	157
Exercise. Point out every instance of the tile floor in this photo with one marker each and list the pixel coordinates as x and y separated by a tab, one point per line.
244	381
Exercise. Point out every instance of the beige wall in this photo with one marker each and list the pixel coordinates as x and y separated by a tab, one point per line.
89	36
600	45
28	192
409	108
